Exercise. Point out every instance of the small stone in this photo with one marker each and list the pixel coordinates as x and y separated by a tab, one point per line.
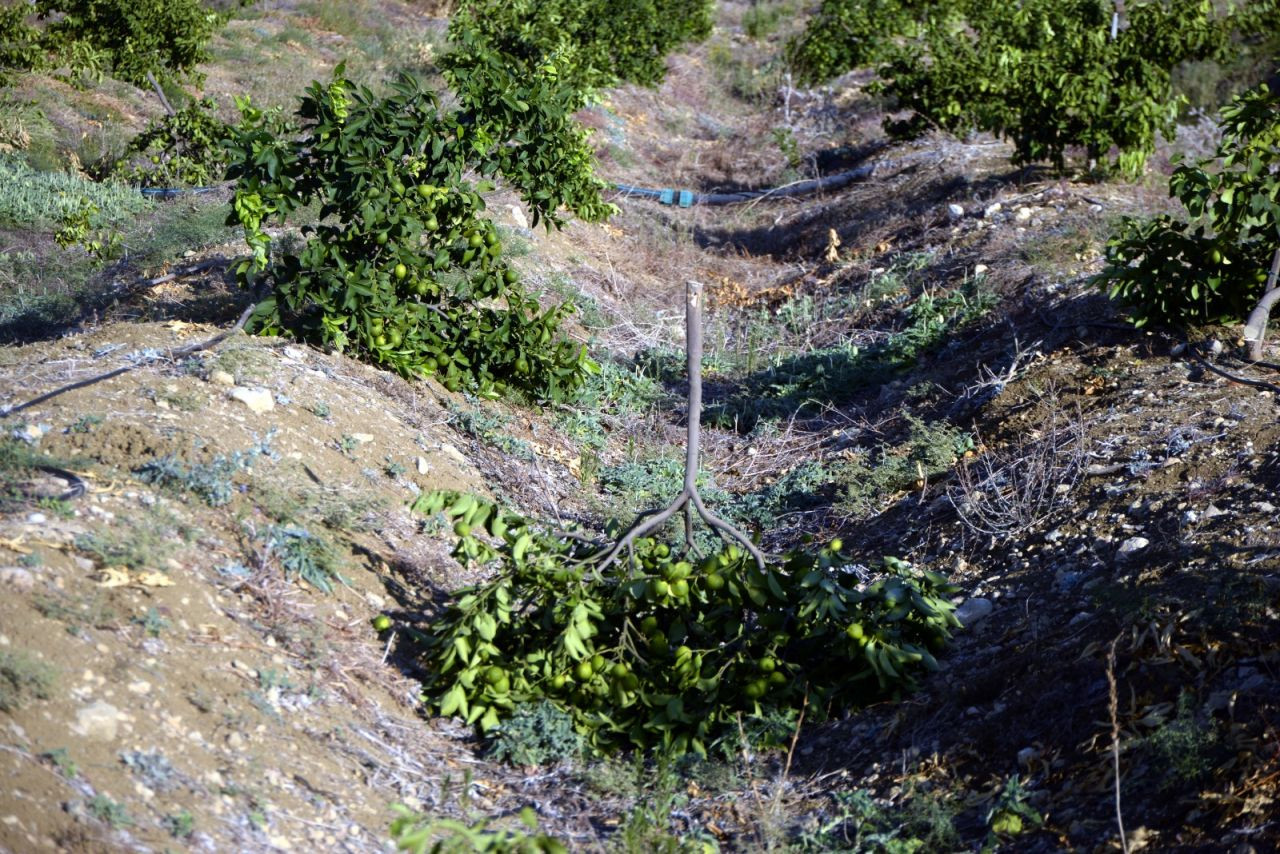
17	577
257	399
979	269
99	721
1027	755
235	741
1264	507
1216	347
992	209
83	563
222	378
453	453
1213	512
295	353
423	465
1131	547
141	687
955	211
37	519
1023	214
974	610
363	438
31	433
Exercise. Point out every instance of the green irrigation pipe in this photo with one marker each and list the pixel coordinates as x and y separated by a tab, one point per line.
689	198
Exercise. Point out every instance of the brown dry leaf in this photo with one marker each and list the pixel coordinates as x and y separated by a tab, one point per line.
15	545
833	246
883	246
154	579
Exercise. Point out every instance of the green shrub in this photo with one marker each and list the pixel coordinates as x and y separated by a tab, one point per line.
602	41
535	734
1211	266
421	835
653	651
403	269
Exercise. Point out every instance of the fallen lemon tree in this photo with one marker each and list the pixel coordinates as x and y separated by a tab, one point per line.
650	641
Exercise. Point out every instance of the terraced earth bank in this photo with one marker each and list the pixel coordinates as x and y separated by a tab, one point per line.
193	654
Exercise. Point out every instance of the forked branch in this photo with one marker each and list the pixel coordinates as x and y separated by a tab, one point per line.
689	500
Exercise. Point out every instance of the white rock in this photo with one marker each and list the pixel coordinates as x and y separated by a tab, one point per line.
979	269
1264	507
1131	547
296	353
1023	214
257	399
518	217
955	211
99	721
423	465
992	209
1213	512
37	519
362	438
222	378
973	610
17	577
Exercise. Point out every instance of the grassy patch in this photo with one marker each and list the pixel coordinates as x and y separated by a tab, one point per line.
23	677
805	382
32	199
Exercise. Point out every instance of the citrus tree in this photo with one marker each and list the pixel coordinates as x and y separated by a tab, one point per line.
1213	264
847	34
186	148
1052	74
648	641
602	41
403	268
128	39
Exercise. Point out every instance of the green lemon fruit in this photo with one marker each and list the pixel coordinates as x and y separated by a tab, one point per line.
401	271
381	622
583	671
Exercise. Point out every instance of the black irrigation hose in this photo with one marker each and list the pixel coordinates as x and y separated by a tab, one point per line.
173	192
77	485
689	198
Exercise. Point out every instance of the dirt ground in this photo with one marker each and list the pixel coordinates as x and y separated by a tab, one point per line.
187	652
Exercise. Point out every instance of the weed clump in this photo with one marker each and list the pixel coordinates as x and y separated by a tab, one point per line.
22	677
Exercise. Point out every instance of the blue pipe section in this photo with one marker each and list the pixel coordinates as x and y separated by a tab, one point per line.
689	198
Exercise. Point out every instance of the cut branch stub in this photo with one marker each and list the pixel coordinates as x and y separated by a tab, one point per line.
689	500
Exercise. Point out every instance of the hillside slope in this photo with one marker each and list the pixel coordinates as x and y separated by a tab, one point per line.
917	364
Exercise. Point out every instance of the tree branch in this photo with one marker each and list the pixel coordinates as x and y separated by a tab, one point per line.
1255	330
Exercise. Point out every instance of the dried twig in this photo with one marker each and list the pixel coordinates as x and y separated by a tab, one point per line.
1113	706
167	355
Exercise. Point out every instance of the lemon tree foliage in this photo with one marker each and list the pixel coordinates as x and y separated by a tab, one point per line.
847	34
662	649
127	39
403	269
186	149
1047	75
601	42
1212	265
